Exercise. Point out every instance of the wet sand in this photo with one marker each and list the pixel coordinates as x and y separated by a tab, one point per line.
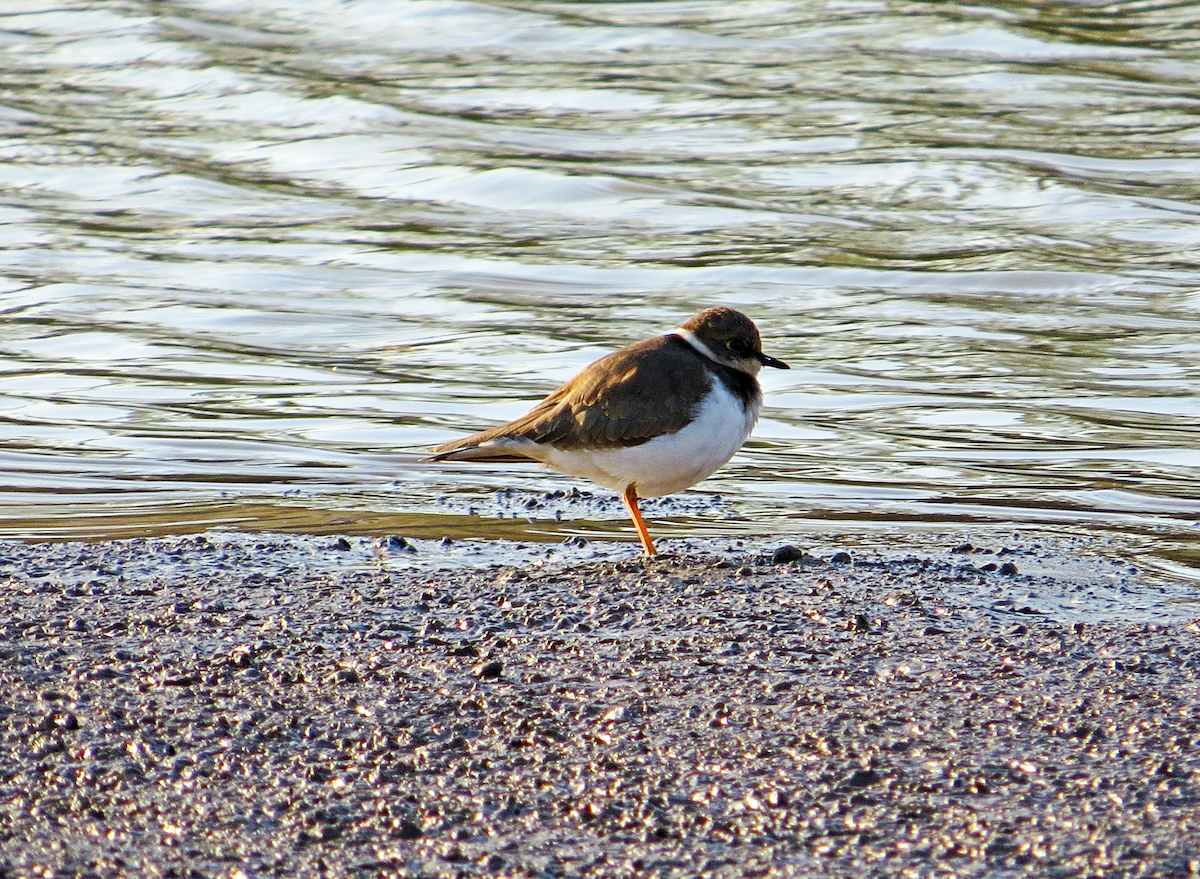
261	706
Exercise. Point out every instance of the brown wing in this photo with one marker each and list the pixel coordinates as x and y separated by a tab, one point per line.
624	399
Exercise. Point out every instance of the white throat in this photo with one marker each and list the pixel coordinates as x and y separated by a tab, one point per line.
690	337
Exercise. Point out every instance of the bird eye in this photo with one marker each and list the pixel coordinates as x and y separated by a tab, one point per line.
738	347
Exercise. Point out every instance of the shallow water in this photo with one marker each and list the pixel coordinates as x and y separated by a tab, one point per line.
257	257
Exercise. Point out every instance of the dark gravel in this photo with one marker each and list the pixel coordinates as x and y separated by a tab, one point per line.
764	714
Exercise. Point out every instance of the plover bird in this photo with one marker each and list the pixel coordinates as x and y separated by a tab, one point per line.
649	420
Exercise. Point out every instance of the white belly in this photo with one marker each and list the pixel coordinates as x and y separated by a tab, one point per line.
669	463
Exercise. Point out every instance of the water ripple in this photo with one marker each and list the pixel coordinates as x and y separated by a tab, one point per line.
254	260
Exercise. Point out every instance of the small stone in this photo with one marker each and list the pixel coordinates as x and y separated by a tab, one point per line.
408	830
396	543
59	720
341	544
842	558
490	670
241	656
963	548
1008	569
786	555
862	623
863	778
181	681
776	799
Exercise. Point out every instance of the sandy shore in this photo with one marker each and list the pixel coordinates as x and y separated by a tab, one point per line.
247	707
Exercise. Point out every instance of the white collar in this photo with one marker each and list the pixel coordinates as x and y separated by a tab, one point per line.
690	337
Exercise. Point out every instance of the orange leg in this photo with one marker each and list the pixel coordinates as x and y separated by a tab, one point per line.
630	498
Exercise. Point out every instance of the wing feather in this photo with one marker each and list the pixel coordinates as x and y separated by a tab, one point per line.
624	399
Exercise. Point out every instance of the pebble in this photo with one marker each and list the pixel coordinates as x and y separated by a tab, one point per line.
490	670
786	554
395	543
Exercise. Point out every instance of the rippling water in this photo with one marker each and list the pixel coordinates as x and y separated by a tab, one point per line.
258	256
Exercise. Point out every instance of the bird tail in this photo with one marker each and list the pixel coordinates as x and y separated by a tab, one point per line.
493	451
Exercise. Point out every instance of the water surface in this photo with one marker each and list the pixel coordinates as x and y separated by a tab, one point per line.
256	257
